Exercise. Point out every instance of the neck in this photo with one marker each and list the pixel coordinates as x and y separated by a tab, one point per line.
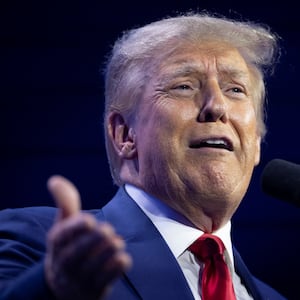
206	218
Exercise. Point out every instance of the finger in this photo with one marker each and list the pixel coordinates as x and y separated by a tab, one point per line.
81	237
107	255
103	266
65	194
70	231
96	252
119	263
89	252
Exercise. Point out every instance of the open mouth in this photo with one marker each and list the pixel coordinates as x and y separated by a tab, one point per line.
219	143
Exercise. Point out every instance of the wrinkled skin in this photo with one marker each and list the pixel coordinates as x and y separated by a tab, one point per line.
199	93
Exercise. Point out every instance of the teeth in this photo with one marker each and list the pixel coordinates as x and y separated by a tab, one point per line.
216	142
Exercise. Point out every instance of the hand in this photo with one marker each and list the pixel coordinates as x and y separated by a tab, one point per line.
83	256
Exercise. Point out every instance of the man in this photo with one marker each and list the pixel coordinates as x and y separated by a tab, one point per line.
183	125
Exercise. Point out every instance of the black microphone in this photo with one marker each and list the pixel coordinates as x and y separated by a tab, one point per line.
281	179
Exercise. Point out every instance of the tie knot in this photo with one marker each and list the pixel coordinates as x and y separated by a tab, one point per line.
207	247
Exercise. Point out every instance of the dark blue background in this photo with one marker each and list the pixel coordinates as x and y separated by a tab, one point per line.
51	101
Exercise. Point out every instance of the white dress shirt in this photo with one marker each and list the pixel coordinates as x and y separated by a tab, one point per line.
179	234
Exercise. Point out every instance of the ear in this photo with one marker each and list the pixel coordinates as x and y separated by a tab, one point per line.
257	150
121	136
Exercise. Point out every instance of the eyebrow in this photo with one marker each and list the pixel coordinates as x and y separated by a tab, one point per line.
184	68
233	72
181	69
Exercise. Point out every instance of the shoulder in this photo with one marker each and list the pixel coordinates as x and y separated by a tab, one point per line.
267	291
41	217
26	226
257	288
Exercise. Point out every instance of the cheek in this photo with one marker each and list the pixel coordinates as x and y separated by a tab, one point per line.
246	126
244	118
156	130
162	136
171	118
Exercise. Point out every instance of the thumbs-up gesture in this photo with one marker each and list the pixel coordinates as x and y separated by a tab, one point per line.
83	256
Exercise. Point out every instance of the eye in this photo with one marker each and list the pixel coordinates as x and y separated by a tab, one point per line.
184	90
237	90
183	87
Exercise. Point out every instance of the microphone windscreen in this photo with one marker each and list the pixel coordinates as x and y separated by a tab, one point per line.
281	179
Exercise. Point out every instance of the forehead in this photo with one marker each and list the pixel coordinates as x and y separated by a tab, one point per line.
204	58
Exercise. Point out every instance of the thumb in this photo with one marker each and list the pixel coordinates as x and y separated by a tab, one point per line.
65	195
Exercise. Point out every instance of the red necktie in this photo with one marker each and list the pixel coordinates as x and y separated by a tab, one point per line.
216	278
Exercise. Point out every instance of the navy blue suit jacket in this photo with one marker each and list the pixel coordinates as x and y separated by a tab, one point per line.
155	273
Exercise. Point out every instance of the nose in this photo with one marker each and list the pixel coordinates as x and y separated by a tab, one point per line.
213	105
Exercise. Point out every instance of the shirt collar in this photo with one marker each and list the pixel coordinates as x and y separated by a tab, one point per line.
178	232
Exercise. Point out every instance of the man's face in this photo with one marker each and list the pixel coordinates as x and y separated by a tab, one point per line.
196	129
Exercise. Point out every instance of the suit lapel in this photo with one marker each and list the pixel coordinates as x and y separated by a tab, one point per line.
155	273
246	277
